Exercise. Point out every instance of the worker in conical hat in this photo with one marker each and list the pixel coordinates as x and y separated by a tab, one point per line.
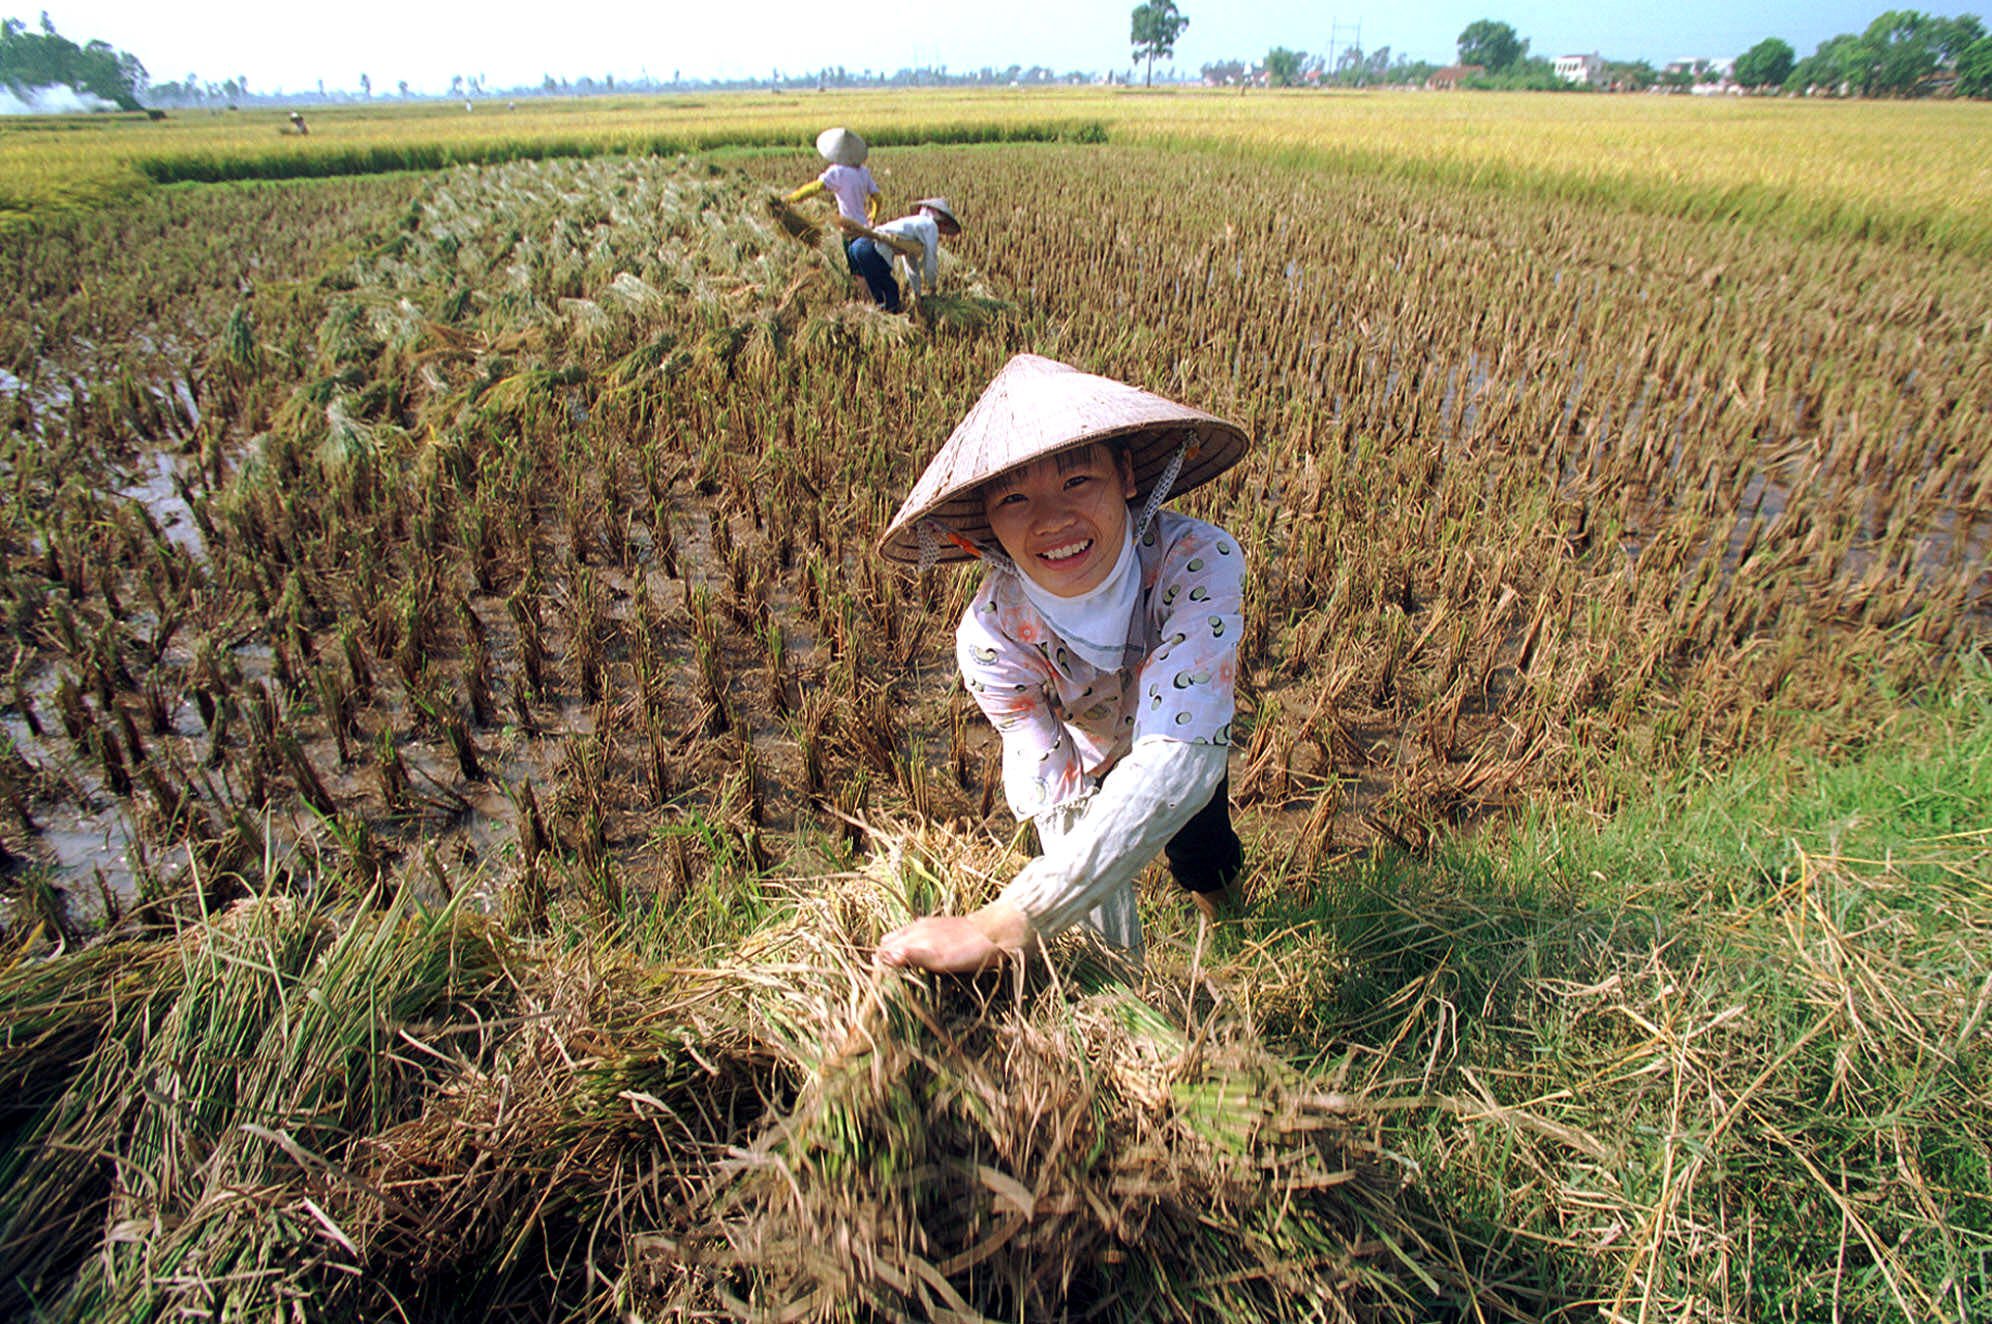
1103	647
915	236
849	182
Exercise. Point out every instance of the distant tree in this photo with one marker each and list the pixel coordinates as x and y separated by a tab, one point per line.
1898	52
1974	69
1153	30
1767	64
49	59
366	88
1283	66
1406	71
1524	75
1223	73
1954	36
1833	68
1491	45
401	88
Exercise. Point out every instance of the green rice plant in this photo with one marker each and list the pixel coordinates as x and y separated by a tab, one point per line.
266	1039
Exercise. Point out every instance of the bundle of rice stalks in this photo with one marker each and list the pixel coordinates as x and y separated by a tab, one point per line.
183	1165
793	223
792	1134
1016	1147
858	326
969	309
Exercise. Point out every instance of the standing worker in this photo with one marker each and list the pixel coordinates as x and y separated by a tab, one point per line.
850	183
915	237
1103	647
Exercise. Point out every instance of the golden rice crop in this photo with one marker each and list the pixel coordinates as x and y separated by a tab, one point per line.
549	452
1798	166
502	539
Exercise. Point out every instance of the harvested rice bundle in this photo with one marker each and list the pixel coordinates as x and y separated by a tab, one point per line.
1015	1146
794	1133
794	223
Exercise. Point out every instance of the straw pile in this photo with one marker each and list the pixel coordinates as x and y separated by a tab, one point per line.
790	1134
793	223
785	1133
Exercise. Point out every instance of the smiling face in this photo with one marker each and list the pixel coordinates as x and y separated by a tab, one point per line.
1063	519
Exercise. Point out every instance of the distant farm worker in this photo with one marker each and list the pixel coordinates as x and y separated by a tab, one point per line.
916	237
1103	647
849	182
297	122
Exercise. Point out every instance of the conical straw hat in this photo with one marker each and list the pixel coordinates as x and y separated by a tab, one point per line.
1037	407
841	146
941	207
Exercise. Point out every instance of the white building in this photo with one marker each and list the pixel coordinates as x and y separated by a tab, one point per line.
1580	69
1701	66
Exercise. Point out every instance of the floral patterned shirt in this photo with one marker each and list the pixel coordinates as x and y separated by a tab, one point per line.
1063	721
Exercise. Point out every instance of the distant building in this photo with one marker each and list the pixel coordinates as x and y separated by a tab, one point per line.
1702	68
1584	70
1450	77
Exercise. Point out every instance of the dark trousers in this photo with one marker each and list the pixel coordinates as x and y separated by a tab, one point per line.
1206	855
875	267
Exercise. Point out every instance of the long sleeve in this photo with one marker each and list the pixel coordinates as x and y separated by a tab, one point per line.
1187	681
1092	855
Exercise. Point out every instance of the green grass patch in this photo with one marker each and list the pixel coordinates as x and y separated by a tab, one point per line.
1728	1047
379	158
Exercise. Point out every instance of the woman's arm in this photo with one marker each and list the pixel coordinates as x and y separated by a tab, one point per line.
1143	802
809	190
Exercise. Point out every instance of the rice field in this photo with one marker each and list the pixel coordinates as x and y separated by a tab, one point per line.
460	747
1918	173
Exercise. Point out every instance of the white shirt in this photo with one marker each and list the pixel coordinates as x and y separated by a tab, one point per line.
850	185
928	234
1063	721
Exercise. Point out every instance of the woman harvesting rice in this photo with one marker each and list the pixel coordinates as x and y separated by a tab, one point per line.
1103	646
850	183
916	237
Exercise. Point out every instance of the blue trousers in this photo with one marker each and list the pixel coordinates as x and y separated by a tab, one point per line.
866	260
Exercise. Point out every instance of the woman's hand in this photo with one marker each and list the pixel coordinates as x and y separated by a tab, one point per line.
957	944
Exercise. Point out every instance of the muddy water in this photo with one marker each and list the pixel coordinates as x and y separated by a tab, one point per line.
89	852
159	495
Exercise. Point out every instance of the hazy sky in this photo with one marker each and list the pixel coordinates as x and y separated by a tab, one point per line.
294	44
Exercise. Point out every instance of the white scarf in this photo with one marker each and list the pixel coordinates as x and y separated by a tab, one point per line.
1095	623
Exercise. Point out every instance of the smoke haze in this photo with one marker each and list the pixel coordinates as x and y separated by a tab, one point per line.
56	100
